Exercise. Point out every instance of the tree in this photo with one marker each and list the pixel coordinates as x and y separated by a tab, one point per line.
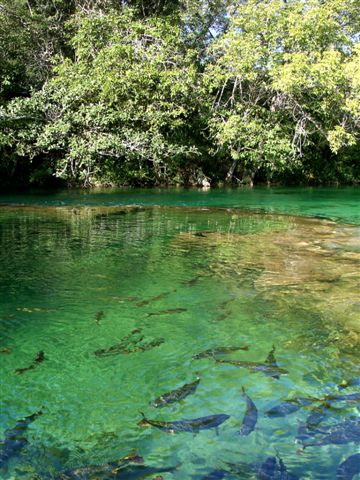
128	91
122	109
282	82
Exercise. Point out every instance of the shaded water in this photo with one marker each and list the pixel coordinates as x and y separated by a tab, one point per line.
341	204
199	279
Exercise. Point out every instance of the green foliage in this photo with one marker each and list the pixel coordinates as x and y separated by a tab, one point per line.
284	77
123	105
19	53
161	91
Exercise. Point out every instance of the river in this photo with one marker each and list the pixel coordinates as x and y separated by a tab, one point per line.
186	271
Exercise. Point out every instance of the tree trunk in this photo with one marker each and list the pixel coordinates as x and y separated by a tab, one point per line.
230	173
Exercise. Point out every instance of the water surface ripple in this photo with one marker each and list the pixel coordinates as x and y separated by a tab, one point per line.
75	281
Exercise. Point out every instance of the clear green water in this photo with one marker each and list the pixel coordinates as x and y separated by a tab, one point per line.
251	279
341	204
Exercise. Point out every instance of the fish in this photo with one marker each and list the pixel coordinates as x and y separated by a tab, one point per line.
355	382
192	281
241	469
104	472
131	457
193	425
15	440
153	299
5	350
134	337
273	468
349	467
176	395
133	472
98	316
225	312
169	311
315	418
288	406
120	299
251	416
225	303
40	357
113	350
350	397
339	434
147	346
212	352
127	346
270	359
269	367
311	426
267	469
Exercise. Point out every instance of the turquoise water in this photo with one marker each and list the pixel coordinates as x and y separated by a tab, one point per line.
340	204
199	278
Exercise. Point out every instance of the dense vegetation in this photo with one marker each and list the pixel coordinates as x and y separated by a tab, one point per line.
179	91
